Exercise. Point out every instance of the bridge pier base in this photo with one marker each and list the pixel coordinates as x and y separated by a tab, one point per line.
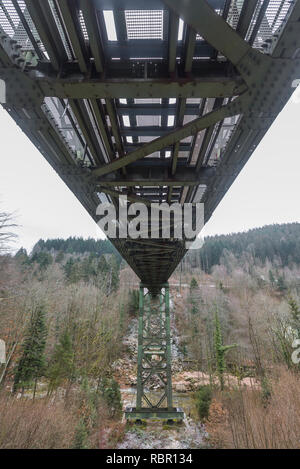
154	359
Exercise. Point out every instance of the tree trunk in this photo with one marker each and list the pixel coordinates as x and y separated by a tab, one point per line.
34	389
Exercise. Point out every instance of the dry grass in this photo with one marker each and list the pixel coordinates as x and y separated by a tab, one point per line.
242	419
35	425
110	434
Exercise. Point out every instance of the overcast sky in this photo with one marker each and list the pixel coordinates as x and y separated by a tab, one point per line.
266	191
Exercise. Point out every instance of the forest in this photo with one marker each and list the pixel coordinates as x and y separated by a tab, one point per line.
68	316
76	245
279	244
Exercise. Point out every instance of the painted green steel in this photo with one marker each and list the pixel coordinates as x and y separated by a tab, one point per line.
201	17
168	345
139	394
171	138
141	88
175	414
154	352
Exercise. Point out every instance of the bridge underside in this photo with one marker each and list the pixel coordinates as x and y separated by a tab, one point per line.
161	101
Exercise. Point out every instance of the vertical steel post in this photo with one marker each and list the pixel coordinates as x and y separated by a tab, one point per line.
139	394
161	302
168	346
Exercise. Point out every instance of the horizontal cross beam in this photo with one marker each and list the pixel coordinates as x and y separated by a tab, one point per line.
144	4
156	109
140	88
157	177
152	130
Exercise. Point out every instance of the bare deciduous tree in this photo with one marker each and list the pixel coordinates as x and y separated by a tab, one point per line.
6	233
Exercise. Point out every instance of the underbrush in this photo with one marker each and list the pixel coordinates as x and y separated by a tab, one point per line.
27	424
203	400
84	420
243	418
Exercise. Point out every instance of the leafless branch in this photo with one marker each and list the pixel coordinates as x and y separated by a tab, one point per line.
6	234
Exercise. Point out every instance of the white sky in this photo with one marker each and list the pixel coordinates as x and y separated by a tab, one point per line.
266	191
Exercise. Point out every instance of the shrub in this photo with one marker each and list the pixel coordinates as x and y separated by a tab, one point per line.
81	436
111	393
203	400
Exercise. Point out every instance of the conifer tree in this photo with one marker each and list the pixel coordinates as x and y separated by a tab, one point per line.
271	278
81	436
111	393
61	366
121	312
21	256
71	269
113	275
44	259
193	284
295	313
60	257
220	351
31	365
102	266
281	286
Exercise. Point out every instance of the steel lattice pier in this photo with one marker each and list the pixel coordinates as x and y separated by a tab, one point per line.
154	358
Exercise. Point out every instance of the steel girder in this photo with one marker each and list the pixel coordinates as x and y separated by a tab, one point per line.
140	88
71	99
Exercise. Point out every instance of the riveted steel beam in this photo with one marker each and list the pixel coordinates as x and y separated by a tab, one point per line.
21	91
111	110
189	48
246	15
185	131
140	88
156	177
287	45
28	30
71	21
44	22
85	124
205	21
142	4
92	26
261	15
98	111
173	41
179	122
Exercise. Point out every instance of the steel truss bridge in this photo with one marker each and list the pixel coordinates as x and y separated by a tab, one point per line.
163	101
